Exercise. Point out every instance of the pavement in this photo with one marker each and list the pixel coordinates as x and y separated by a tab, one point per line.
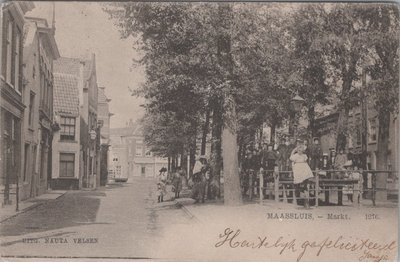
9	211
222	233
124	222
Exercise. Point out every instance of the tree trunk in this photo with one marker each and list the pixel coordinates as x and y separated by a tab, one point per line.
169	164
205	133
192	150
216	151
348	76
260	140
232	192
273	131
382	153
311	121
192	159
173	164
184	160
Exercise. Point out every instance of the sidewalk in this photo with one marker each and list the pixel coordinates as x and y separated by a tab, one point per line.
212	211
9	211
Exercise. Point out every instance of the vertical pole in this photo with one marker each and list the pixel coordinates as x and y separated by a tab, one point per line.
251	185
316	188
364	129
261	185
276	185
17	195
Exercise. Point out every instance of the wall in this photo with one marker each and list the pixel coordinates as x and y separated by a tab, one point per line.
30	133
65	147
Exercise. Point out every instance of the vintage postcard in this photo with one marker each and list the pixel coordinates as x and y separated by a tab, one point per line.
199	131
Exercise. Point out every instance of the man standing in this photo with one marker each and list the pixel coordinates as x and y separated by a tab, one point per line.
315	154
269	160
283	155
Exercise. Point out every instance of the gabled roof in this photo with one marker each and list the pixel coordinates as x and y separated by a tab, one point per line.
71	66
35	24
66	94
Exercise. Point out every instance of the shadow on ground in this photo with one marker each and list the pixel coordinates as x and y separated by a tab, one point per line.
73	209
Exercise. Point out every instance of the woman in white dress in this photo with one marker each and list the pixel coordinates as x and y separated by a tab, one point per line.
301	171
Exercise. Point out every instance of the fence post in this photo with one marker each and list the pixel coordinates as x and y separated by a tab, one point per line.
251	186
276	185
316	188
373	188
261	182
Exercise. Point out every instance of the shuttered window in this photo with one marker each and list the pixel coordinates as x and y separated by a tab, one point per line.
67	163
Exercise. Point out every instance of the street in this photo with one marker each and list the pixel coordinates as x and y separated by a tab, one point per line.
122	220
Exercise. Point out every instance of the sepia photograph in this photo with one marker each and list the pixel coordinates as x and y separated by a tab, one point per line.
199	131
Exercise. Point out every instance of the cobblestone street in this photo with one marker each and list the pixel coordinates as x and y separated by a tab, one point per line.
121	220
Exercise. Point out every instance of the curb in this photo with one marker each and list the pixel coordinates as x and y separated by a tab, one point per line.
30	208
187	212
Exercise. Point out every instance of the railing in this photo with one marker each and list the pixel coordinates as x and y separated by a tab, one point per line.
278	185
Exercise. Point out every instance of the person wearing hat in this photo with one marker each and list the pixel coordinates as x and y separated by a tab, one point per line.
199	179
283	155
315	154
269	161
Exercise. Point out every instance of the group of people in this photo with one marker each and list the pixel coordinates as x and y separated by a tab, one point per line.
176	180
297	158
300	158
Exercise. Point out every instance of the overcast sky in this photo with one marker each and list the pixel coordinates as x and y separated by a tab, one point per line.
84	28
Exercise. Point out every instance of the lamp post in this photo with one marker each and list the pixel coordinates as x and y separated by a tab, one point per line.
296	104
92	134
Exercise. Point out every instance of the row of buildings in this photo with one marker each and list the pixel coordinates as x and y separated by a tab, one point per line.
54	116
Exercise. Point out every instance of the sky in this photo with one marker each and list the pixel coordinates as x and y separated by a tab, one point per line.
84	28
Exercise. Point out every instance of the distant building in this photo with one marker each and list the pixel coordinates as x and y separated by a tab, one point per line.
129	150
40	50
104	122
11	99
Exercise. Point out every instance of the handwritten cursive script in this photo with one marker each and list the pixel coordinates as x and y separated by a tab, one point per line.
232	239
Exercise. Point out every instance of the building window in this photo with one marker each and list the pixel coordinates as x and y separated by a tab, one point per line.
17	85
31	105
148	153
9	52
34	68
143	170
67	131
67	164
372	130
26	163
139	150
358	131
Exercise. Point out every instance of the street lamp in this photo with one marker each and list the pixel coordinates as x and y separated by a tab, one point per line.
296	104
92	135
